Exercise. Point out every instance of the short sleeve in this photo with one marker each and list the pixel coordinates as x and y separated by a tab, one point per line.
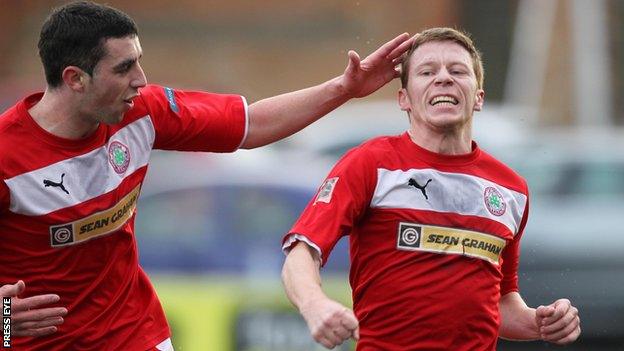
196	121
511	258
339	203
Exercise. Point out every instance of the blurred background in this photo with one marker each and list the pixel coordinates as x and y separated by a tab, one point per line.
209	226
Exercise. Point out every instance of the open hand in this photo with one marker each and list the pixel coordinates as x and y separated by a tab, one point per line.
363	77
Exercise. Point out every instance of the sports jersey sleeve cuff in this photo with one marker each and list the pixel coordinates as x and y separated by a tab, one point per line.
509	289
292	238
246	122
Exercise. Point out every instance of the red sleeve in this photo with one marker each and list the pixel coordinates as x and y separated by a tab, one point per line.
5	197
195	121
340	202
511	258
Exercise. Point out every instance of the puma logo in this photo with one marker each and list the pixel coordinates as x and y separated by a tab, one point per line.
48	183
415	184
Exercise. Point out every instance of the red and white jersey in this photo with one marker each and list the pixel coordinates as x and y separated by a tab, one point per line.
67	211
434	242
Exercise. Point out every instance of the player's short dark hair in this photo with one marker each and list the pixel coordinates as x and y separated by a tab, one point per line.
74	35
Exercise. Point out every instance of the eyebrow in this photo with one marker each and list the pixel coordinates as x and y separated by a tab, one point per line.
435	62
125	64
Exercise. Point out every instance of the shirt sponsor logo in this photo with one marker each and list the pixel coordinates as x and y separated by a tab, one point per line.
97	224
171	98
119	156
494	201
326	190
419	237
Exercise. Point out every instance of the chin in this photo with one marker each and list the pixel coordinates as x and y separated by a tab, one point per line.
448	119
113	119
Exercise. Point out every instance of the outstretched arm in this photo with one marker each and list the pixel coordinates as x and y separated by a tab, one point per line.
28	317
330	323
558	322
277	117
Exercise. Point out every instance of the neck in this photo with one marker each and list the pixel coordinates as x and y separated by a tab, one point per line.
58	113
452	141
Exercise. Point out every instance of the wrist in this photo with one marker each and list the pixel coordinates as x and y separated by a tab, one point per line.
339	88
310	301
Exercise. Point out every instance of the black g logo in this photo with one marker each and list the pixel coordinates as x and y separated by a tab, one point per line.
61	235
409	236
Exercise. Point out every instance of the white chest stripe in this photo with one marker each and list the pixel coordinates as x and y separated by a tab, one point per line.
86	176
447	192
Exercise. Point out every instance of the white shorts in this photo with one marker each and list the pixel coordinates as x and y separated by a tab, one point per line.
165	345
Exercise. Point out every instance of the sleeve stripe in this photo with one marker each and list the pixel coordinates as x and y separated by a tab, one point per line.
292	238
246	122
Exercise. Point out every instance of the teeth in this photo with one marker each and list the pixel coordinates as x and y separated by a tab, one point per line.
442	99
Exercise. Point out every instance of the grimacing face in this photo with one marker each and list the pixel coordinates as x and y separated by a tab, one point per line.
442	91
115	82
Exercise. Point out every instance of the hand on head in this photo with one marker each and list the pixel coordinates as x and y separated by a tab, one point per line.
363	77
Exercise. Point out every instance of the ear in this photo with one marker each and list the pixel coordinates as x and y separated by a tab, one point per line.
74	77
404	101
480	98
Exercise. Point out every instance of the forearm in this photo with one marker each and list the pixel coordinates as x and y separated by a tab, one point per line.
280	116
517	319
301	277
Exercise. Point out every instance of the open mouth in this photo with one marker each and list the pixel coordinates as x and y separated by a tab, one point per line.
443	99
129	100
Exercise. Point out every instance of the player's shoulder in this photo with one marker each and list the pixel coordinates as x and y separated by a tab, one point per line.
503	172
8	117
371	152
9	121
379	145
154	90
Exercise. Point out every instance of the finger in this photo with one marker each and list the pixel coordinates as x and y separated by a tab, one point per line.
36	332
327	337
354	63
397	61
544	311
35	301
326	342
40	324
348	319
561	323
401	49
397	72
564	302
11	290
334	335
570	338
562	334
39	314
558	313
342	333
386	49
324	334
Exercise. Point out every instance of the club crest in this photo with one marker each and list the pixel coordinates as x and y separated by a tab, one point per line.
119	156
494	201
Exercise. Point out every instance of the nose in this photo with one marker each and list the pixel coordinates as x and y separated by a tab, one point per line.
139	81
443	77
